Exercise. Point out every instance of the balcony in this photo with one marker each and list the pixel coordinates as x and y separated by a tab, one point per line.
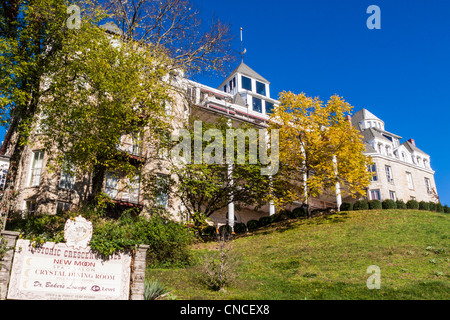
123	197
121	193
133	150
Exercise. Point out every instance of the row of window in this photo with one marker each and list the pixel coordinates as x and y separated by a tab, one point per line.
247	84
376	195
68	179
257	105
372	124
390	177
387	150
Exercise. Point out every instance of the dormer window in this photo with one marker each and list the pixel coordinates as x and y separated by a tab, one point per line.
232	84
246	83
260	88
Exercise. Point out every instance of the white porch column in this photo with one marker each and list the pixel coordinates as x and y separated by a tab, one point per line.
230	176
231	204
271	208
305	177
338	185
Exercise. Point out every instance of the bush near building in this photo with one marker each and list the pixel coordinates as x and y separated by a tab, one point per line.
389	204
401	204
361	205
346	206
252	225
240	228
412	204
375	204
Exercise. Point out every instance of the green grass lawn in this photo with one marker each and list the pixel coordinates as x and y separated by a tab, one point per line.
327	258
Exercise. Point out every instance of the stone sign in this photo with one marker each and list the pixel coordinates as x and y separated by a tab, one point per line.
68	270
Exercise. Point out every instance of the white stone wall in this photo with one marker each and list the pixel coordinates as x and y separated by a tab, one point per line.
400	183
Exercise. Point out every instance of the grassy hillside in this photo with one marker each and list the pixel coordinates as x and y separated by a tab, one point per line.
327	258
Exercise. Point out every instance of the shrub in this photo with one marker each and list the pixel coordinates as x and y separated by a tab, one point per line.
439	208
240	228
412	204
252	224
264	221
375	204
346	206
219	269
401	204
209	231
432	206
361	205
285	214
299	212
168	240
389	204
446	209
424	206
282	215
225	230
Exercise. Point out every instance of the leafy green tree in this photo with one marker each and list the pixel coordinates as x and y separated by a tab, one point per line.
206	187
82	89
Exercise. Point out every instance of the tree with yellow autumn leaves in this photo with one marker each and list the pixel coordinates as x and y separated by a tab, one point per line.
319	149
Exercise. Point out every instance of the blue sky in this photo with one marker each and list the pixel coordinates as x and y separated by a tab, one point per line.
400	73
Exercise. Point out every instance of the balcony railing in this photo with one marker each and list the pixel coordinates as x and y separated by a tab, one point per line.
132	149
125	196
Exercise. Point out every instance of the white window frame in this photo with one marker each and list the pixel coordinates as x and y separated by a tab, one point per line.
35	173
389	175
410	181
428	185
67	180
392	195
27	204
375	191
131	194
372	170
111	185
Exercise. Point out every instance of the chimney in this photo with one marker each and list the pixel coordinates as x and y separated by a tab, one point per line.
412	142
349	119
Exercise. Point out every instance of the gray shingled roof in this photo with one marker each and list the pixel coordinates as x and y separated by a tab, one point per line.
371	133
361	115
247	71
388	133
412	147
369	148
